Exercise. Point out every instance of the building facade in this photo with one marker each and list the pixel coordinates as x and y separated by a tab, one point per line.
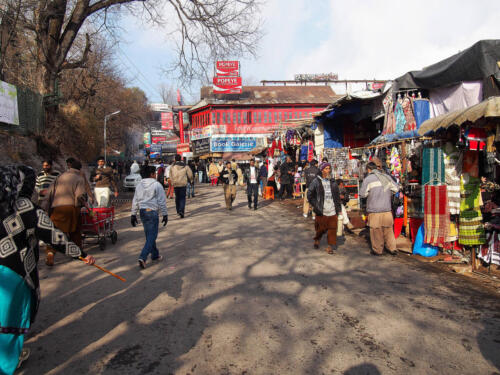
238	123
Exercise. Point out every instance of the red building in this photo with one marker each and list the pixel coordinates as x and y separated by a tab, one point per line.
254	114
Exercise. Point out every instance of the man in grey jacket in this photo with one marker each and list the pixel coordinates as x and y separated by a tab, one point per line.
149	200
378	188
180	175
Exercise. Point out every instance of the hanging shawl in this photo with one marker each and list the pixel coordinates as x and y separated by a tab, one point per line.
10	183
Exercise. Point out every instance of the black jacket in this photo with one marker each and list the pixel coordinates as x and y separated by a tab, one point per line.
246	175
316	196
311	173
285	177
224	176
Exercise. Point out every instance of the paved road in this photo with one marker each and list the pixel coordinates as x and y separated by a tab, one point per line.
245	293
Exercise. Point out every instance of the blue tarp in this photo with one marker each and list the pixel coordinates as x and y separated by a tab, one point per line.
395	136
334	135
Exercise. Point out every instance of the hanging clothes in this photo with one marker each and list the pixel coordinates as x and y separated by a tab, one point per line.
477	138
395	162
436	215
470	163
490	252
453	170
310	151
408	112
433	172
421	109
471	228
400	118
447	99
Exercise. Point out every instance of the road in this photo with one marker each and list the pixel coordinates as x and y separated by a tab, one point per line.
244	292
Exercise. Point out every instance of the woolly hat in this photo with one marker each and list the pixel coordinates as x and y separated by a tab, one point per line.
324	165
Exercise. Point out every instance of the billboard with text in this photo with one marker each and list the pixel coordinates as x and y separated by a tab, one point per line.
227	85
227	68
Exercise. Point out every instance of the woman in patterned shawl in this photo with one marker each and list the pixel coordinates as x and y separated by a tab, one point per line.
22	225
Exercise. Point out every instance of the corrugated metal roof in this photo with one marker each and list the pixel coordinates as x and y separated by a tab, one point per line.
265	95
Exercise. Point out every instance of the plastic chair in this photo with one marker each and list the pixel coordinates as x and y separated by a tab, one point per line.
268	192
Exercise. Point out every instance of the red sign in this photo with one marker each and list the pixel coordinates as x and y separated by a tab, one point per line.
227	68
227	85
158	139
182	147
167	121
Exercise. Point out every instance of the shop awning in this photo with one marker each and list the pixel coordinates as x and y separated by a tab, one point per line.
488	108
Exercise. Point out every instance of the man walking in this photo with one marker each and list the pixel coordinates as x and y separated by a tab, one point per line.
149	200
311	173
190	185
44	181
252	180
229	179
286	178
378	188
104	181
68	198
180	175
323	194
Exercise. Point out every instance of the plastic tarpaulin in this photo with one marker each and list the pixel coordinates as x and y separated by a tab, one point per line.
448	99
472	64
333	135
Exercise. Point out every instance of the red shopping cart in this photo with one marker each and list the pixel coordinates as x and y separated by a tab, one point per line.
97	223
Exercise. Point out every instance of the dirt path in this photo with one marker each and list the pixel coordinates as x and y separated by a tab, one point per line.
245	293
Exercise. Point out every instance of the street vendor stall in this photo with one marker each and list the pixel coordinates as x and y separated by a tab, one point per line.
460	194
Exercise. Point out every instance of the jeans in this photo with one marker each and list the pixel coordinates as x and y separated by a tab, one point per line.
150	223
190	190
253	189
180	199
200	177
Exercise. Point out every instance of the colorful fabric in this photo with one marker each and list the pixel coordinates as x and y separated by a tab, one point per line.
436	215
453	170
471	228
477	138
15	308
400	118
408	112
433	172
490	252
395	162
421	108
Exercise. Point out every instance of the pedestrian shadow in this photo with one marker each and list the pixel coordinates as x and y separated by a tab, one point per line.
363	369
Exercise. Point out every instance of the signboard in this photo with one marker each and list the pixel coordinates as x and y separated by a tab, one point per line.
182	147
167	121
374	86
232	144
158	139
147	138
9	112
227	68
201	146
160	107
155	148
227	85
317	77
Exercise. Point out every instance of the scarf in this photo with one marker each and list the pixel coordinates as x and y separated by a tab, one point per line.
385	180
15	182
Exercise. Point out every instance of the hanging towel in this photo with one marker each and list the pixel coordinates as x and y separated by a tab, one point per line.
453	170
436	215
471	228
432	170
421	108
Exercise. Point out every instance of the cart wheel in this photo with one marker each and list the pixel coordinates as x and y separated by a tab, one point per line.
114	237
102	244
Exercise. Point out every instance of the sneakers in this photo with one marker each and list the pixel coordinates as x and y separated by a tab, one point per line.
313	217
142	263
49	261
305	215
160	258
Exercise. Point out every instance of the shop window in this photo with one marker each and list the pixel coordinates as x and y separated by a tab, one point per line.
239	117
290	115
255	117
244	117
249	117
279	116
265	117
234	117
218	118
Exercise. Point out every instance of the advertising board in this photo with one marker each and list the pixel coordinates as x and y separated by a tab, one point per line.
167	121
227	68
227	85
183	147
9	112
201	146
232	144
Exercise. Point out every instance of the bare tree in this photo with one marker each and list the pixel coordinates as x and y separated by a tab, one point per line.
202	31
167	94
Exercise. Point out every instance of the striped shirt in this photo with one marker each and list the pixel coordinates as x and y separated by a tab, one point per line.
45	180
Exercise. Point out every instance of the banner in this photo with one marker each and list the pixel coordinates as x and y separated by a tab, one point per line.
147	138
227	68
9	112
227	85
155	148
182	147
232	144
201	146
167	121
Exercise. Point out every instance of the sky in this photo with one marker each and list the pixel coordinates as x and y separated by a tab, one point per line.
357	39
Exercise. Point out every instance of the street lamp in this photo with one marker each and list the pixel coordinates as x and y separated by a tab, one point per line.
105	120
